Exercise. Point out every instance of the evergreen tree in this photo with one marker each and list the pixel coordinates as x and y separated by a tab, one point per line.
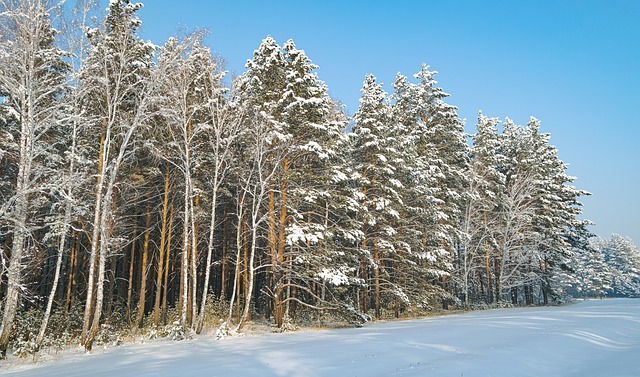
623	259
377	160
445	146
280	85
420	262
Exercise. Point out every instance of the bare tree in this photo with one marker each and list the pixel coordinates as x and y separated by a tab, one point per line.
73	119
514	236
118	89
225	121
31	80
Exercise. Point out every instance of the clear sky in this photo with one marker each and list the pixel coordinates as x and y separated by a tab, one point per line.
575	65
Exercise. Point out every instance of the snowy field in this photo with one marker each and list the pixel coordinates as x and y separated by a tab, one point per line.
591	338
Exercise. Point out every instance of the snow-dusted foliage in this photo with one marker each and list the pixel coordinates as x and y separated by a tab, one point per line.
609	268
305	215
520	218
140	185
32	81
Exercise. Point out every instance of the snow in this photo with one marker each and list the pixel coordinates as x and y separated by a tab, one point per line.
590	338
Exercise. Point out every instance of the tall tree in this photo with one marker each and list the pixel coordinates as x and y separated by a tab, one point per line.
32	80
445	145
486	185
377	160
115	81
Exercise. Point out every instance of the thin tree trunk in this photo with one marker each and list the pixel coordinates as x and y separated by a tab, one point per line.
273	242
105	234
376	279
166	271
143	270
163	236
132	260
184	289
223	258
282	243
95	236
102	261
207	266
239	238
194	269
249	267
14	280
71	277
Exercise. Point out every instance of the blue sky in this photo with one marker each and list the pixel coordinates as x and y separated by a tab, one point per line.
572	64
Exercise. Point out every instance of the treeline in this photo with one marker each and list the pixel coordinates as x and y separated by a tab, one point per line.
606	268
139	186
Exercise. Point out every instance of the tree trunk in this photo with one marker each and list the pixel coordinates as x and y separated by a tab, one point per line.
132	260
249	267
167	264
71	278
95	236
184	283
376	280
280	293
20	229
498	276
163	237
193	305
273	242
14	282
143	271
105	225
239	240
104	231
223	259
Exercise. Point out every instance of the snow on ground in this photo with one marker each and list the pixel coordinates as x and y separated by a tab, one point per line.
591	338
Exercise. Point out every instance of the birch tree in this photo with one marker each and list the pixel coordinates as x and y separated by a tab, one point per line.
73	164
32	79
223	122
191	83
115	82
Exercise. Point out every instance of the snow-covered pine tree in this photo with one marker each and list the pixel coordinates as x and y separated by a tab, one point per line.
260	90
534	223
557	209
377	160
623	259
419	264
314	263
446	146
281	86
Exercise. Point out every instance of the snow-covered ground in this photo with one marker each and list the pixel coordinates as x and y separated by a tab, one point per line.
591	338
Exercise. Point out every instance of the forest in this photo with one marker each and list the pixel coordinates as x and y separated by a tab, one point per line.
145	191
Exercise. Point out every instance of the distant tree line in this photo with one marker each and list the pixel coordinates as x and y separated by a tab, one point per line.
141	188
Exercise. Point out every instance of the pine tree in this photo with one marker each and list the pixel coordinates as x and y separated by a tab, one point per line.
261	90
281	86
420	262
623	259
377	160
444	143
